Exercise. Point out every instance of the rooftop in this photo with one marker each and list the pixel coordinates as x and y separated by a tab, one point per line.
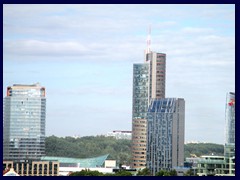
84	162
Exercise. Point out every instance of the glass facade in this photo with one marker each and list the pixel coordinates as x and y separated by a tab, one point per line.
229	148
24	123
148	83
230	118
140	106
140	90
86	162
165	134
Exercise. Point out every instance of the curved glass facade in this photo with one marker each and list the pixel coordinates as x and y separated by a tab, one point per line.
229	148
78	162
24	123
230	118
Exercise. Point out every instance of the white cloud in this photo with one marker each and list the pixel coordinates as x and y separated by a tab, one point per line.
44	48
199	41
197	30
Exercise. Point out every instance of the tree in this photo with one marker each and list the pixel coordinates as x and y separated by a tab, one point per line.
123	173
108	174
173	172
167	173
190	172
90	146
86	172
144	172
162	173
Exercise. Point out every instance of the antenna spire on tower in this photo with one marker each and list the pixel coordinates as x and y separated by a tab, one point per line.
148	49
149	40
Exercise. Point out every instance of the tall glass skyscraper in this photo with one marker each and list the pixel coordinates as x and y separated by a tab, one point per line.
139	113
165	134
148	82
157	137
230	118
229	148
24	122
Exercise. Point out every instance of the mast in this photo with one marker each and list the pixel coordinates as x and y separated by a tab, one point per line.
148	49
149	40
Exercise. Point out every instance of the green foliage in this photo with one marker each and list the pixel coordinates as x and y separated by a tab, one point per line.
200	149
144	172
120	150
163	173
173	172
123	173
108	174
167	173
190	172
86	172
90	146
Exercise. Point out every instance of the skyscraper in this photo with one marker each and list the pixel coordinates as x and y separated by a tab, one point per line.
165	134
229	147
148	82
230	118
24	122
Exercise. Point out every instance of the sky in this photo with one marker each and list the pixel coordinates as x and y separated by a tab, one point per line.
84	54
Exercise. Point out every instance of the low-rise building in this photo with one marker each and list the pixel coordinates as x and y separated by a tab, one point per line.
33	168
10	172
68	165
120	134
212	166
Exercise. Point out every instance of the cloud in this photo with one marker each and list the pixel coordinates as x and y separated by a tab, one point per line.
99	30
93	90
197	30
85	55
45	48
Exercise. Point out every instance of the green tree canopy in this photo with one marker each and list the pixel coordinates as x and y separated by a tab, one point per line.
118	149
86	172
123	173
144	172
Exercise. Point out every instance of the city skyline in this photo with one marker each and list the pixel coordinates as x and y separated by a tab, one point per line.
83	55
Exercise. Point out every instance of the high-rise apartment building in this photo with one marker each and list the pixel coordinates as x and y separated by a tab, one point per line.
148	82
165	134
24	122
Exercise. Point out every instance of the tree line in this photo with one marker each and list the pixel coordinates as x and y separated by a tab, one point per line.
89	146
118	149
122	172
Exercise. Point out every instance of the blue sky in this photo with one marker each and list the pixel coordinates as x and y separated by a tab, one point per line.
84	54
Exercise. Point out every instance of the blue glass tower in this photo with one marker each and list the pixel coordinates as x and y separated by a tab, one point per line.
229	148
165	134
24	123
230	118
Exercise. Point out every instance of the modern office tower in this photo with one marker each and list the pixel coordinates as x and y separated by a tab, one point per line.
139	112
148	82
229	148
230	118
24	123
165	134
